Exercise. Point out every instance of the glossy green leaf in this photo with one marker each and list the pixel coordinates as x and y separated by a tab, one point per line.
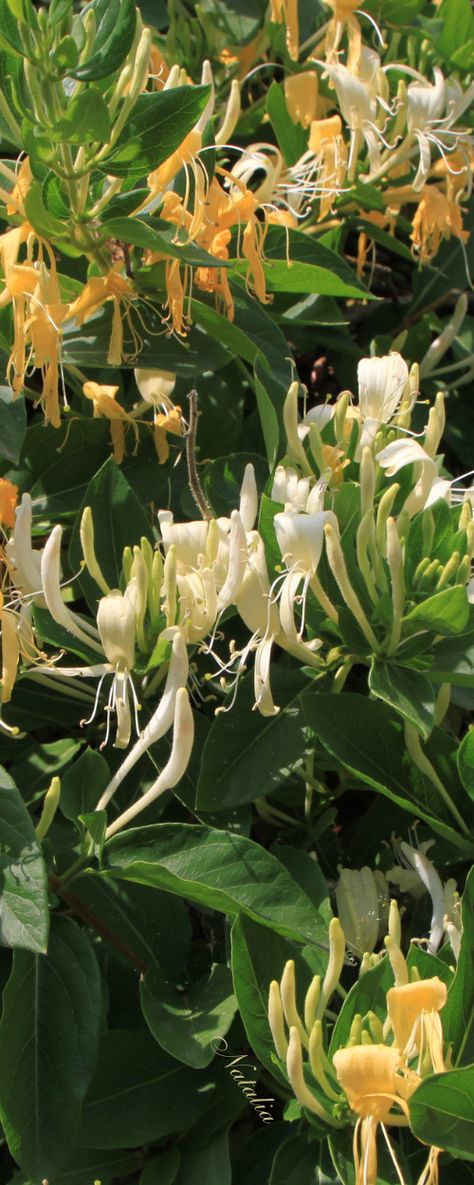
12	424
154	235
48	1047
257	958
247	755
140	1094
219	870
465	760
83	783
187	1019
299	264
119	521
443	1106
115	30
162	1169
367	737
447	612
210	1164
452	661
157	126
88	346
456	41
458	1013
144	926
405	690
86	119
291	138
24	917
300	1161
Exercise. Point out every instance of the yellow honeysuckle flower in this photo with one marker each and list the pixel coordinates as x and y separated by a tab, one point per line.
285	12
413	1011
8	502
99	289
105	404
301	94
437	217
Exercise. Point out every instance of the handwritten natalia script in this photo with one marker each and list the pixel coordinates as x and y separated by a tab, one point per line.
238	1068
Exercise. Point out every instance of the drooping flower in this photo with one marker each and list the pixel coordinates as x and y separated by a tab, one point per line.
114	288
105	404
8	502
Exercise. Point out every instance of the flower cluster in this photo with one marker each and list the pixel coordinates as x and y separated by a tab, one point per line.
370	1076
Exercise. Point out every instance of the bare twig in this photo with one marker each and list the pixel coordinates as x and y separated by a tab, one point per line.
193	475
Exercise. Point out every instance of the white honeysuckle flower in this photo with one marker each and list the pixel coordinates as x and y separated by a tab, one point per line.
382	383
358	99
362	907
432	110
301	538
51	586
289	488
440	489
443	897
248	503
24	560
162	718
319	415
256	160
116	622
175	768
396	456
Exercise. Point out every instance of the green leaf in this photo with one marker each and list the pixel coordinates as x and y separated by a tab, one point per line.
140	1094
83	783
367	995
292	139
367	738
88	346
48	1045
85	1165
115	31
406	691
24	918
443	1106
247	755
12	424
219	870
157	126
119	521
447	612
458	1013
186	1021
146	926
210	1164
258	957
298	1162
42	221
452	661
87	119
10	37
465	762
162	1168
300	264
154	235
456	41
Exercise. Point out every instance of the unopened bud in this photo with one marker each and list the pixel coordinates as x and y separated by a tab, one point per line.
288	999
449	571
86	532
49	808
276	1020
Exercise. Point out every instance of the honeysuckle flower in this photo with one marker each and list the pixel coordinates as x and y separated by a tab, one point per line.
105	404
286	12
38	313
420	873
396	456
78	627
382	384
8	502
301	94
358	101
413	1010
24	561
321	171
436	217
372	1075
176	766
156	387
432	109
362	906
98	291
